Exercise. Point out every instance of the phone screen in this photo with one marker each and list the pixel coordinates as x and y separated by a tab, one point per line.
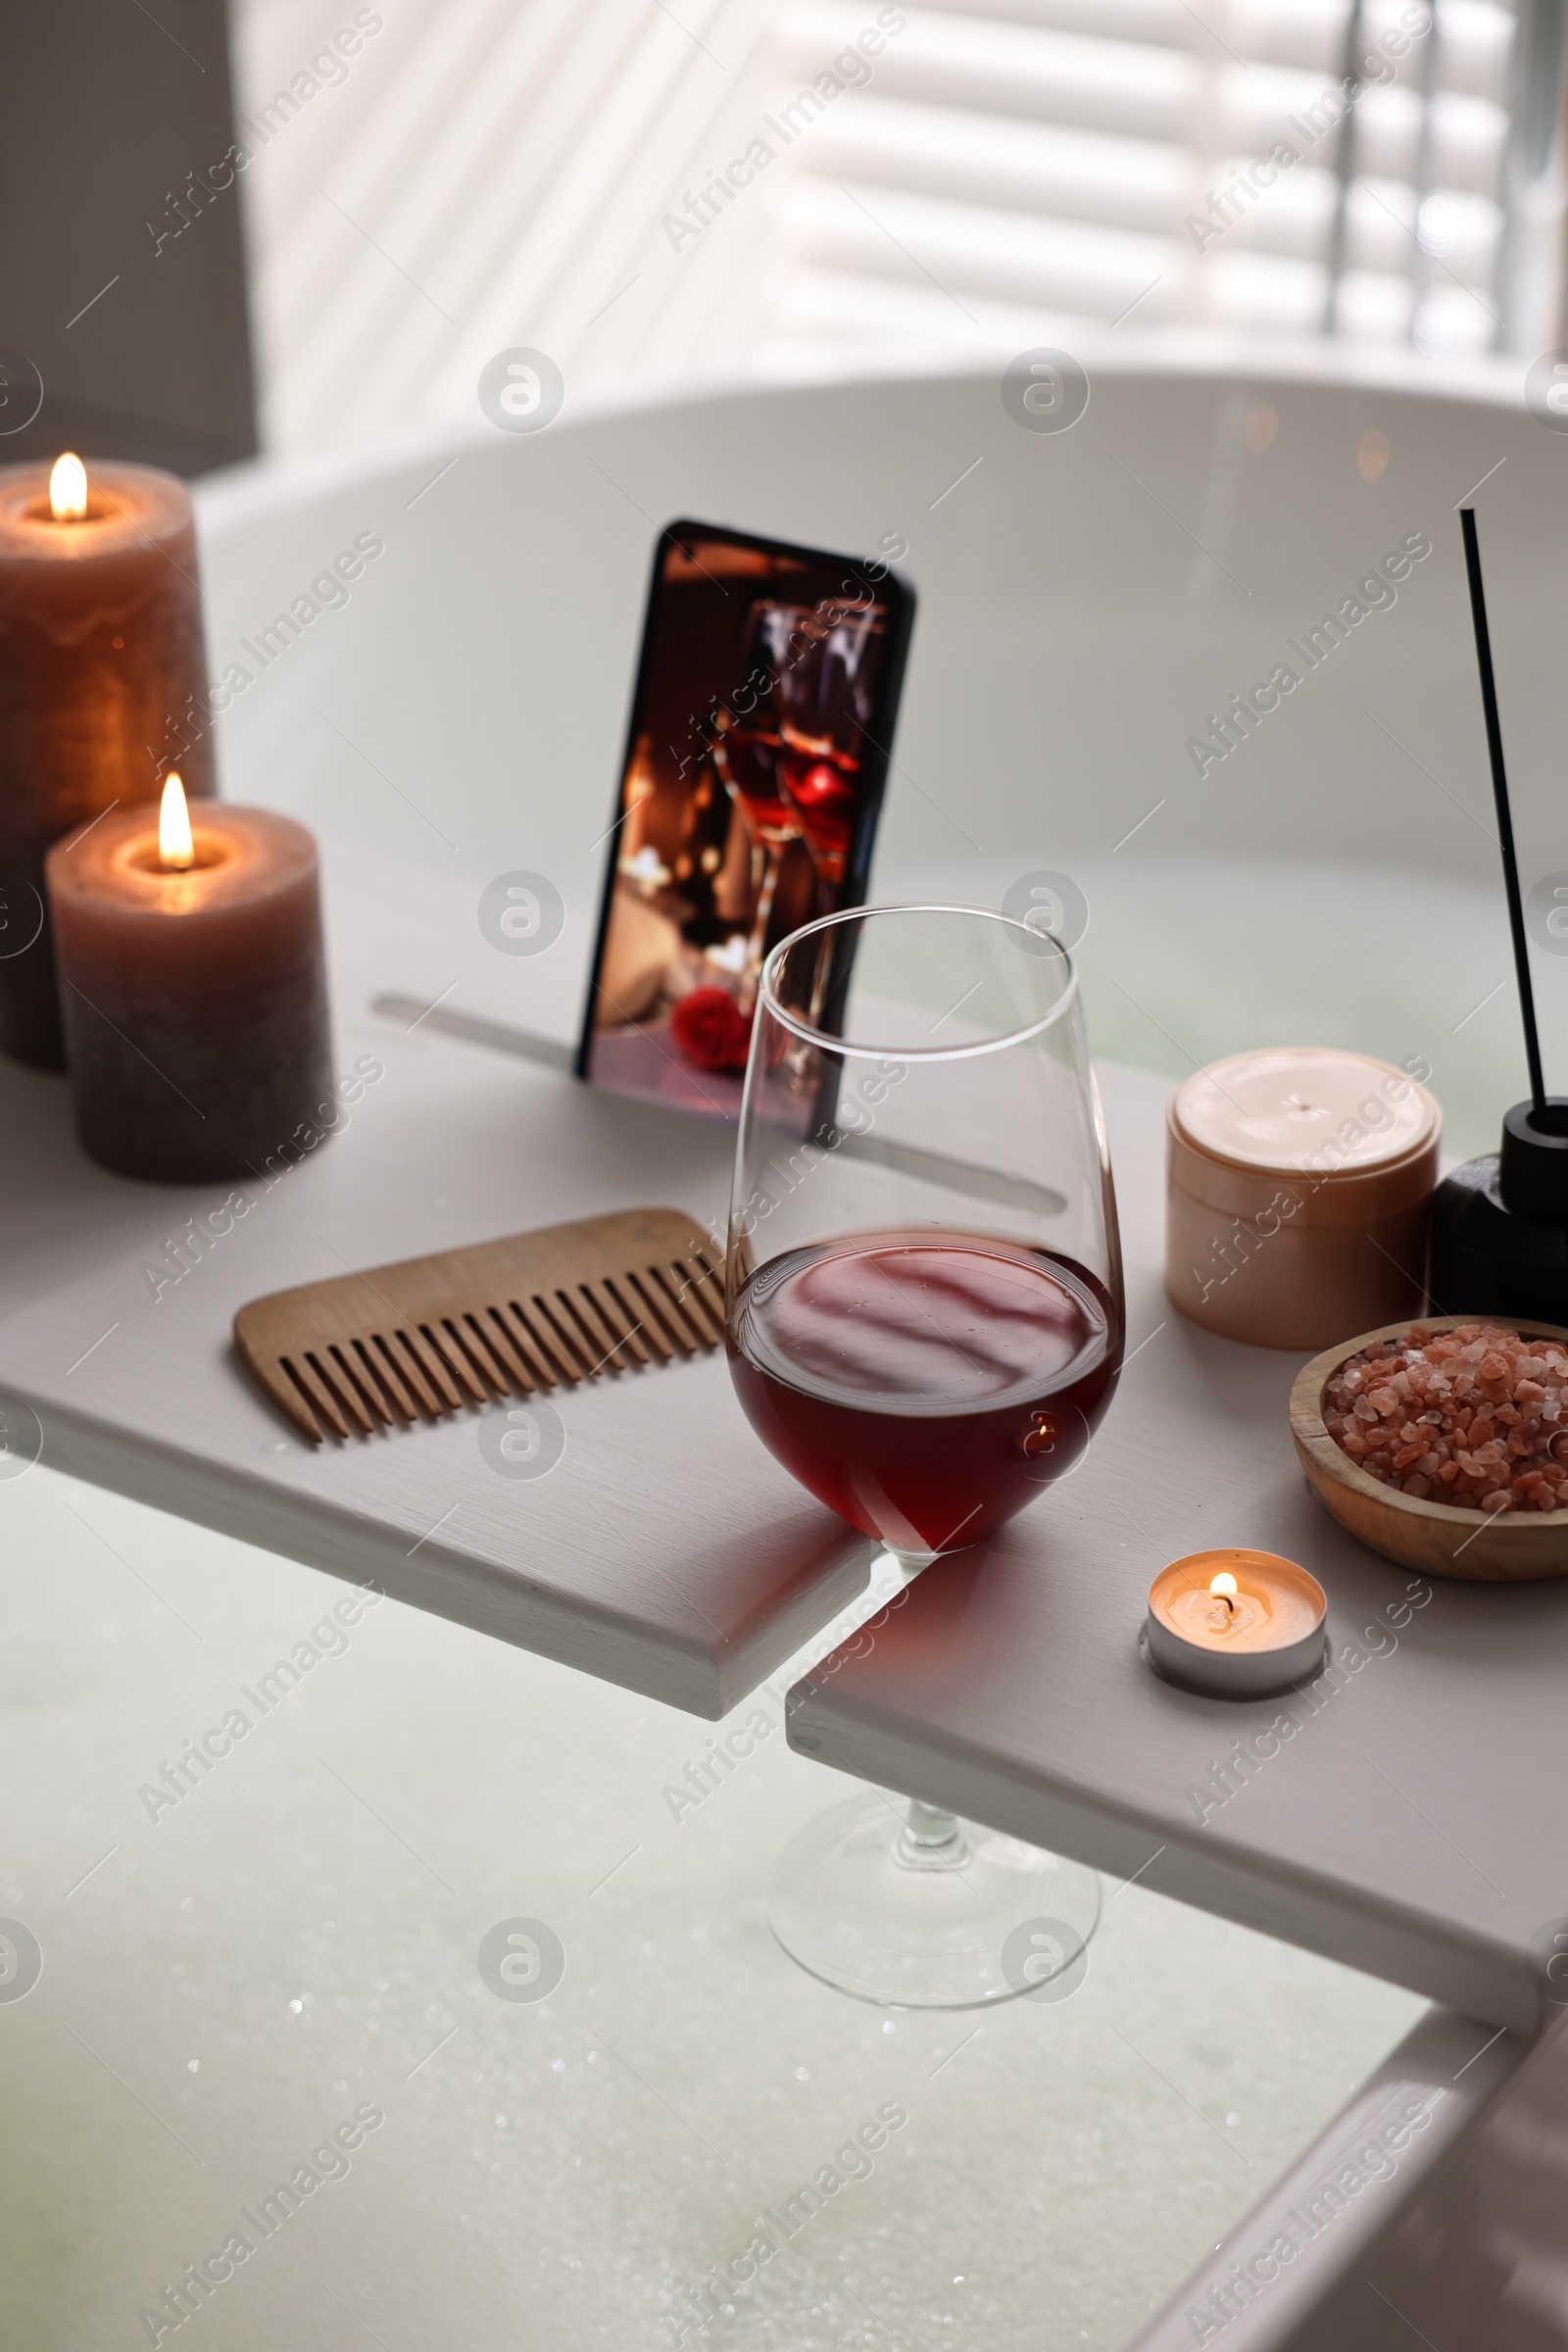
746	805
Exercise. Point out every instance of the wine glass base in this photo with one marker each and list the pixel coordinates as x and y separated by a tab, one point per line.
898	1913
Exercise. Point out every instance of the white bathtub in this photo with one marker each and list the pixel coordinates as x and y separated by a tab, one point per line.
1088	599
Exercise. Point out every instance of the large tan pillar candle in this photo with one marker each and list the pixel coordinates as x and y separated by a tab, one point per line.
100	663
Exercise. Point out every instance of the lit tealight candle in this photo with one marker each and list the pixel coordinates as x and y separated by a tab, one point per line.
1234	1624
193	988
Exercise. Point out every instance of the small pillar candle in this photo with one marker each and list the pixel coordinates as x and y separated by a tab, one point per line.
193	987
101	674
1234	1624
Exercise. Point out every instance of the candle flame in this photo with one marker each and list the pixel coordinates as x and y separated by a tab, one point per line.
176	847
1223	1586
68	488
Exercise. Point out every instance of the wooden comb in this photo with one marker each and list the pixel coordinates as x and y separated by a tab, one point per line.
534	1310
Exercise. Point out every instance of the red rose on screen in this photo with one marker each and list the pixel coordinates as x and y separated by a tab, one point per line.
710	1029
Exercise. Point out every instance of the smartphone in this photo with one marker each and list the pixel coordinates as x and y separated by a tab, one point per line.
755	760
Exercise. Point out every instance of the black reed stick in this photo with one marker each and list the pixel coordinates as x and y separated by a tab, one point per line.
1500	795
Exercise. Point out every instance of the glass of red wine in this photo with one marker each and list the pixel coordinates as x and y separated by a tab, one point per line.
924	1324
825	660
747	752
791	762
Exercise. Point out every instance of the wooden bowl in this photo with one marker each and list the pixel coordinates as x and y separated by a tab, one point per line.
1436	1538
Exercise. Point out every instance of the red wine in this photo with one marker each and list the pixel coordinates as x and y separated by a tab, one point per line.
821	787
747	762
924	1385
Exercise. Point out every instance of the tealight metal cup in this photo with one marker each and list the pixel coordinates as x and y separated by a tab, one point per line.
1252	1666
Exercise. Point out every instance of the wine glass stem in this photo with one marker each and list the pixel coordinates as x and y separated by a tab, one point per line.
932	1839
764	905
824	906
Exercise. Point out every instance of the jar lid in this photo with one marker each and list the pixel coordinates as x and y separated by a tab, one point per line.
1308	1108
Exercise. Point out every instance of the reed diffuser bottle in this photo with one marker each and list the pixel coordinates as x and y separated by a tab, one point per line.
1500	1224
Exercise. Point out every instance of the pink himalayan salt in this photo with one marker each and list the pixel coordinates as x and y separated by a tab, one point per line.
1473	1416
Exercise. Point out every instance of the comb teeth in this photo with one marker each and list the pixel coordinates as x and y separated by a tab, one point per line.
537	1312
